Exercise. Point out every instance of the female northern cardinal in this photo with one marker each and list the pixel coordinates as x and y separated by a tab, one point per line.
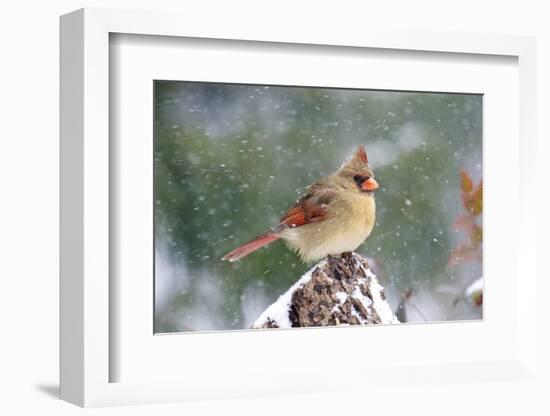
335	215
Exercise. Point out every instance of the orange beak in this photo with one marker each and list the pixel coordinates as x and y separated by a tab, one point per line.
369	185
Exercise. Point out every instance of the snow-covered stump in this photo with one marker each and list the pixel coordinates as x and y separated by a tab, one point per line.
339	290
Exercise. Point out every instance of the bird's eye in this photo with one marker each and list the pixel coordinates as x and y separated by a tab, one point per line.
359	179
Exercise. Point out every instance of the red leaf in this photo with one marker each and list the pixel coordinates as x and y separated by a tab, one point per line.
475	202
476	235
466	184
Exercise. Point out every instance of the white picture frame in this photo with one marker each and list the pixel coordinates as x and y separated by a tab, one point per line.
87	302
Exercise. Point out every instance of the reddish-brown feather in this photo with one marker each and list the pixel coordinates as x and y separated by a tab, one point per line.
249	247
304	212
311	208
294	217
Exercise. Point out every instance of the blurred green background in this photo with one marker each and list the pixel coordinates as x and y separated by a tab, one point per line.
230	159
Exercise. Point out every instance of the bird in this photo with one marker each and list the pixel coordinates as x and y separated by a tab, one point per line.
335	215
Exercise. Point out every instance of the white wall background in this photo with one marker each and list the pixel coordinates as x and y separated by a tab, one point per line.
29	204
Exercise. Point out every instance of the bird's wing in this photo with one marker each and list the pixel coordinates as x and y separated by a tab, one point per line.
309	209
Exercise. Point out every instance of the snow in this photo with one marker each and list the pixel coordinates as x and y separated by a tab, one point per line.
279	310
342	297
357	294
356	314
476	286
381	306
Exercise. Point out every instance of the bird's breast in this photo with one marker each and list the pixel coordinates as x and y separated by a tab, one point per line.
354	220
348	223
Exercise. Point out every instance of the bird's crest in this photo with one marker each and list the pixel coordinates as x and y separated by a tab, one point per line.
361	154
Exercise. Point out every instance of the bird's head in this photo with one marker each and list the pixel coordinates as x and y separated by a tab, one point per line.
356	175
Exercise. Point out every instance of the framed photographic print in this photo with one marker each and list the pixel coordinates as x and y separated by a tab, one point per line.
228	157
227	198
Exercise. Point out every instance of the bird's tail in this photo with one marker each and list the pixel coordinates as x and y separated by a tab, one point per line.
249	247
